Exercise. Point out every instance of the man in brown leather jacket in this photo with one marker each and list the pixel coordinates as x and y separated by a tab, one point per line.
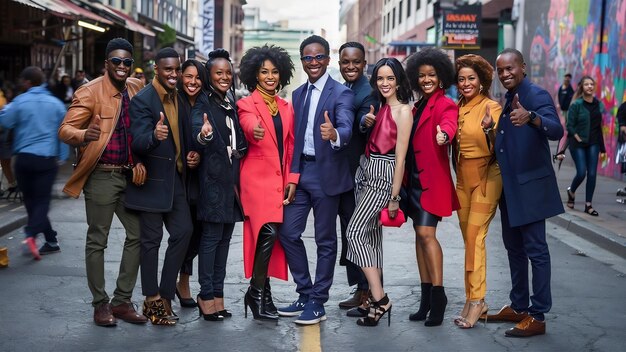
98	123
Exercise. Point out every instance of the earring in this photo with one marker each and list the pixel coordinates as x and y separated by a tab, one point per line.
480	90
441	85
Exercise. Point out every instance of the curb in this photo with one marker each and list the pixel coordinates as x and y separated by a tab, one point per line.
600	236
13	224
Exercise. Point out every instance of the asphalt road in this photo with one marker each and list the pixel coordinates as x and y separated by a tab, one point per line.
46	304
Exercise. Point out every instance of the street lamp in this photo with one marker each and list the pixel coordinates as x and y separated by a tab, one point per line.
91	26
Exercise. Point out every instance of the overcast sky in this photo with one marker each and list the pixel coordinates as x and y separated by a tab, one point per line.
311	14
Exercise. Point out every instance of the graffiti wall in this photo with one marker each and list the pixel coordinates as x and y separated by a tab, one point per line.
581	37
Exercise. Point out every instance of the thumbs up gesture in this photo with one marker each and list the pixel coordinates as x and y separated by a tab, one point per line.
327	129
519	116
370	118
161	130
441	137
258	132
93	130
207	129
487	121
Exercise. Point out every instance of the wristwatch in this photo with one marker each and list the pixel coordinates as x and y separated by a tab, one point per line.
396	198
532	116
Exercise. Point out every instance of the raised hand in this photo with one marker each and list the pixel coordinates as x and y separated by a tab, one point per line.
370	118
161	130
93	130
139	174
327	129
207	129
487	121
258	132
193	159
440	137
519	116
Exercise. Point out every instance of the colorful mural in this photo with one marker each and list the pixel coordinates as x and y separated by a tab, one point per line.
582	37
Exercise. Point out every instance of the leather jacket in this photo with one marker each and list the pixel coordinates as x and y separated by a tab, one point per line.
98	97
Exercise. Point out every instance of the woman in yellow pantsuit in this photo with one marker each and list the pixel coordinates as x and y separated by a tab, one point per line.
479	184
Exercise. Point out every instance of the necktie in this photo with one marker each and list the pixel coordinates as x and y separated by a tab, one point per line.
307	103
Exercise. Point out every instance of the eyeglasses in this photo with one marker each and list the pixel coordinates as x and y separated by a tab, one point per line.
117	61
317	58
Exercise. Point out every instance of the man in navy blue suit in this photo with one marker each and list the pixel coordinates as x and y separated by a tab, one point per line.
352	63
530	192
323	126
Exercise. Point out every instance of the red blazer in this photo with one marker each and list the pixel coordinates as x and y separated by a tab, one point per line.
262	179
439	195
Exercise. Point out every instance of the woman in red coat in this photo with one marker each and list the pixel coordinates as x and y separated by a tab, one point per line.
267	122
431	192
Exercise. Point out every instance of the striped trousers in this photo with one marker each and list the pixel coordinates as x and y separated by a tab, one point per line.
365	242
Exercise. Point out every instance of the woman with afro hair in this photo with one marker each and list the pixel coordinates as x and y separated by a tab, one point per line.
430	191
267	123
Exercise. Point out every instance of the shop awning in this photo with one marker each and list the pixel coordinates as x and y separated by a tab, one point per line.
124	19
69	10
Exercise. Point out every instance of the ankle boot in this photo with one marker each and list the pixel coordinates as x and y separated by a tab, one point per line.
438	302
256	297
267	298
424	303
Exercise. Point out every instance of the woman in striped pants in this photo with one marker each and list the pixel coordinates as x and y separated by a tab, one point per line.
383	171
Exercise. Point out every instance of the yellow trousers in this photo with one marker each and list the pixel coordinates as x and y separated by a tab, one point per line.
478	187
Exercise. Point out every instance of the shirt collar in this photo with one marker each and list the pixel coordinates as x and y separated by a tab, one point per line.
163	93
321	82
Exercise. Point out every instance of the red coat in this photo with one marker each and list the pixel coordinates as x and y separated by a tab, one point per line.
262	179
439	195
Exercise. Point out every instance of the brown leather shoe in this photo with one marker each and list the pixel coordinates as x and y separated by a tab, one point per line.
355	300
127	312
103	316
527	327
506	314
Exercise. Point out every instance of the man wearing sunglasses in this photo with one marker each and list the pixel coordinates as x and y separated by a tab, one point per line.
98	124
321	171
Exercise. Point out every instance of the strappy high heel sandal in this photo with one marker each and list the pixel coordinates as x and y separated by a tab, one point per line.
570	198
377	311
471	319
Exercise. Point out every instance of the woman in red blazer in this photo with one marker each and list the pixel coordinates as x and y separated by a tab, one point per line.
431	192
267	122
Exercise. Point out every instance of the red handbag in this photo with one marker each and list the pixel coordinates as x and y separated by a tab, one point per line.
385	220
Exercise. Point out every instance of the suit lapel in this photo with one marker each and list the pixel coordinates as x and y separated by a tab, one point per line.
326	92
266	117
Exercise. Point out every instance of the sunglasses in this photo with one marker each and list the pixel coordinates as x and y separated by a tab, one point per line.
317	58
117	61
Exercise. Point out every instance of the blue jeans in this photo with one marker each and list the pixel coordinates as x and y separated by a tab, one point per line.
586	160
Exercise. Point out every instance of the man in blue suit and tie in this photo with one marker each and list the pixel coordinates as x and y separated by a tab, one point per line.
530	192
321	171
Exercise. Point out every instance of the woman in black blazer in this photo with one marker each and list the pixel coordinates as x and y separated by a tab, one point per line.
221	143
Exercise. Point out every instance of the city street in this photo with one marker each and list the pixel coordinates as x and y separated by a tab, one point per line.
46	305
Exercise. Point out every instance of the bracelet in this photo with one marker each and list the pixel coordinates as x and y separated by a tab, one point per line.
396	198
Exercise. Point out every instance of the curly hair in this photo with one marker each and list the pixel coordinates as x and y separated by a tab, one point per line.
434	57
315	39
482	67
402	82
254	58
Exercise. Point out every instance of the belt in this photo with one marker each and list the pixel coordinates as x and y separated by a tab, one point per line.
307	157
112	168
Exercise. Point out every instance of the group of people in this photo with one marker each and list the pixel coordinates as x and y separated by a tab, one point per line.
181	152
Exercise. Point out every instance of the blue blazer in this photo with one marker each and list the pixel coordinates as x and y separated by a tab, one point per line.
363	98
334	166
529	184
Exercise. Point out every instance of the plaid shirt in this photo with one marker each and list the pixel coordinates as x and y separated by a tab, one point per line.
117	152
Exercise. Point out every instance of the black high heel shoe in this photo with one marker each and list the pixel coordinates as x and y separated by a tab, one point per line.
570	199
186	302
254	300
422	312
438	302
377	311
209	317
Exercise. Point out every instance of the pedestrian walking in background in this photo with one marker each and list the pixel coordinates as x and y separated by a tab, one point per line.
320	173
193	77
621	146
267	122
35	116
478	184
383	172
157	139
586	142
530	192
98	123
352	64
565	94
6	150
431	193
221	144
